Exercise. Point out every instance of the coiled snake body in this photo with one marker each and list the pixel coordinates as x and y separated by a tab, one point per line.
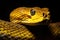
23	15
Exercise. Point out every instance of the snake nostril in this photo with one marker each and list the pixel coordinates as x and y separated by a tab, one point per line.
44	15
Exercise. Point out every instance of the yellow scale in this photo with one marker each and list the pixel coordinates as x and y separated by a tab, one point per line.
14	30
23	15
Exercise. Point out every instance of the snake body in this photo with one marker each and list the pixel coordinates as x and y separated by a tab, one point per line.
22	15
14	30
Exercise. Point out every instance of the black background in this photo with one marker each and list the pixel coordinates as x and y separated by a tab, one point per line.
41	32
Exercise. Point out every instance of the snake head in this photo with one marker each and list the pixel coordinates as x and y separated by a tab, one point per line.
29	15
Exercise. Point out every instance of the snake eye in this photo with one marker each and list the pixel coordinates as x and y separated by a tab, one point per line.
32	12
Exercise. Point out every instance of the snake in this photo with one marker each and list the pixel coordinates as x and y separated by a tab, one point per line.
22	15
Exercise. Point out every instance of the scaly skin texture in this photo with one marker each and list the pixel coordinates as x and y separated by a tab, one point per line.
55	28
18	31
24	15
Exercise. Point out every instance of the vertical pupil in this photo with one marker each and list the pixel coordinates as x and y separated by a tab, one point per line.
32	12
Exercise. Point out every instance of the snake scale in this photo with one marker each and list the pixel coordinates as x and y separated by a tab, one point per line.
23	15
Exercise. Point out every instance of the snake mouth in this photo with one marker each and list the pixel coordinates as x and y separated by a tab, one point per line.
32	20
44	22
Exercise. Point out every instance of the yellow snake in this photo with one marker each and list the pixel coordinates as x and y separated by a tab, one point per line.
23	15
14	30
